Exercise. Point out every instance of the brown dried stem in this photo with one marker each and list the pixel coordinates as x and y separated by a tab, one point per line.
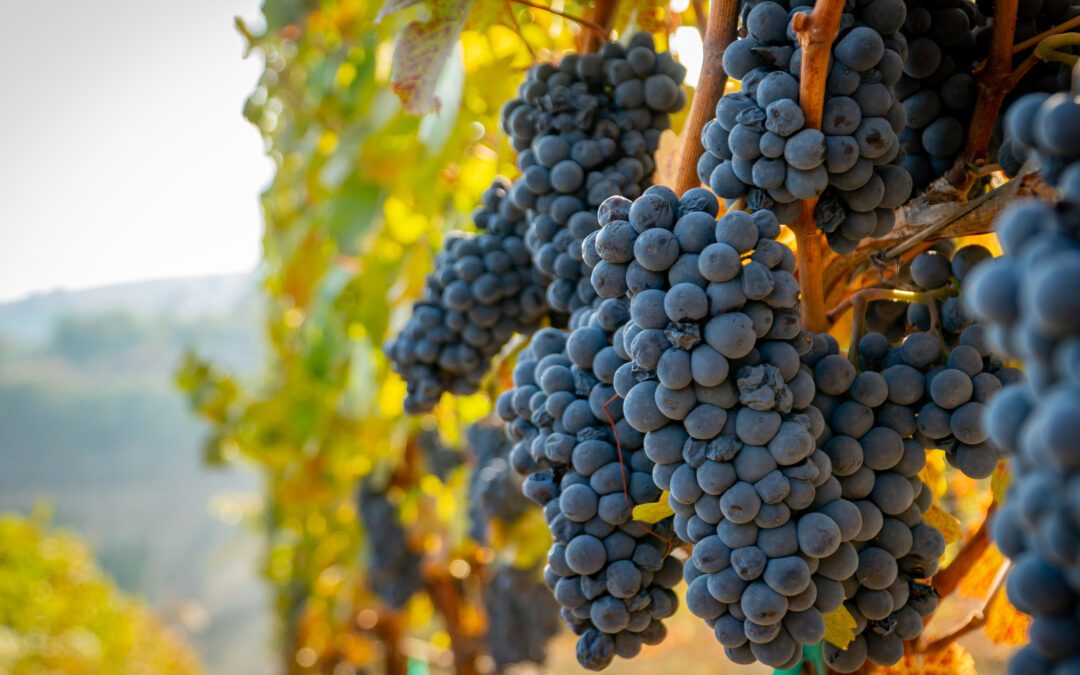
719	33
817	31
993	84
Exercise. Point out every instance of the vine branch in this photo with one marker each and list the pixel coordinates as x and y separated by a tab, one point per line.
600	31
993	84
719	33
817	31
946	581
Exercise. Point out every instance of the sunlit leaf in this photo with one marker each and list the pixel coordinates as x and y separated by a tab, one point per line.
1005	625
840	627
654	512
946	523
999	482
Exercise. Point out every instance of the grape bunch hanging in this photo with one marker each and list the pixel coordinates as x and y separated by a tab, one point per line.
678	414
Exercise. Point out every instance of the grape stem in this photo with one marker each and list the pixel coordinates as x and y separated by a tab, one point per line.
603	16
977	618
860	301
447	601
817	31
1060	28
600	31
700	16
719	33
993	84
947	220
391	631
946	581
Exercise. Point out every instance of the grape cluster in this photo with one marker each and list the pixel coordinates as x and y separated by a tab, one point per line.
869	442
521	617
937	88
494	489
945	396
586	129
585	465
713	380
521	614
758	146
1027	298
1045	127
393	567
483	291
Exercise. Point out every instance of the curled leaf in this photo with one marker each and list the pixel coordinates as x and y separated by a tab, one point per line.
654	512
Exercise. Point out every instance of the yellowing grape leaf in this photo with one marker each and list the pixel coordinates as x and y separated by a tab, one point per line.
840	627
1004	624
422	51
982	575
999	482
945	522
654	512
953	660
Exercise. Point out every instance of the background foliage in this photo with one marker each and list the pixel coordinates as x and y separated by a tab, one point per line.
58	613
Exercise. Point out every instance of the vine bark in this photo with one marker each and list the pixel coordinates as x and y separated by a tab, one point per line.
719	33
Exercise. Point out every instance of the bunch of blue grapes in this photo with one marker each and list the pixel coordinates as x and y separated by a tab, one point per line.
484	290
1027	298
937	88
586	129
759	147
392	565
522	617
494	488
612	576
869	442
943	394
1044	127
713	379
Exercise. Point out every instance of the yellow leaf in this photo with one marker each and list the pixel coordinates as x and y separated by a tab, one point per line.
952	660
999	482
840	627
1004	624
654	512
946	523
981	575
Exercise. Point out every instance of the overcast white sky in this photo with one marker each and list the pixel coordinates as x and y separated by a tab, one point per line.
123	151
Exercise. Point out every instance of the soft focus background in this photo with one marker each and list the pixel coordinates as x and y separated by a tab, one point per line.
191	382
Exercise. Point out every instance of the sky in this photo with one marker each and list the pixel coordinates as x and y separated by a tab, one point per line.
124	154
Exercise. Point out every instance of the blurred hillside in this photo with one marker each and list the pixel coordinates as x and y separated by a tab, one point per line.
92	425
